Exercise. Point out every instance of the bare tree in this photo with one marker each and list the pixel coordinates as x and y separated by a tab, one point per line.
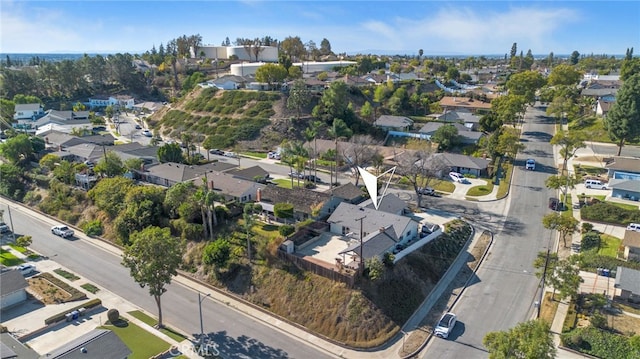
420	168
359	152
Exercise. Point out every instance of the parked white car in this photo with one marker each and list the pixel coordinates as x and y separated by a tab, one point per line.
445	325
26	269
633	227
458	177
62	231
530	164
147	133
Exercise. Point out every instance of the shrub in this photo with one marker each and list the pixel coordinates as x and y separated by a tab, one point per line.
113	315
75	294
286	230
92	228
609	213
388	259
217	253
587	227
375	268
598	321
591	240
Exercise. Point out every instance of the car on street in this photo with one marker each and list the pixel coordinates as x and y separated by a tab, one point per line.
215	151
62	231
138	127
633	227
230	154
445	325
147	133
555	204
273	155
530	164
295	174
4	228
312	178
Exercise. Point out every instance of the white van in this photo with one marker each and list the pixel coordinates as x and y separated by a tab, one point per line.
26	269
597	184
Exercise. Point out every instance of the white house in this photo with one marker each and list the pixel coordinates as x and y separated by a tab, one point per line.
28	111
121	101
12	287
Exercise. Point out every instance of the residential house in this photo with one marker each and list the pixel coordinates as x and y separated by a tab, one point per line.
12	348
232	188
467	136
607	94
628	281
28	111
618	167
449	103
631	243
312	84
306	203
229	82
254	173
353	81
349	218
147	107
374	245
603	107
98	343
170	173
390	203
348	193
13	288
69	119
625	188
117	101
148	154
394	123
461	164
468	119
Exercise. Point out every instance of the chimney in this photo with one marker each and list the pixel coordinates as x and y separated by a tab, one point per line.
259	195
381	229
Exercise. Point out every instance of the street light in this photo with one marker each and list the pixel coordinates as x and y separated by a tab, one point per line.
200	299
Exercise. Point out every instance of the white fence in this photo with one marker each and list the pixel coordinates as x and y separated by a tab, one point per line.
413	246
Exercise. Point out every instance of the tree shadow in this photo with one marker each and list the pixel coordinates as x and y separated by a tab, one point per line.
242	347
538	135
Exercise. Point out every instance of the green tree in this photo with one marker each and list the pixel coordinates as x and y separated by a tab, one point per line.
623	120
217	253
421	168
565	225
509	142
133	164
575	56
24	241
446	137
528	340
17	150
12	184
563	182
7	109
334	99
299	97
545	264
65	172
629	68
109	194
566	279
176	196
170	152
110	165
509	108
271	73
569	143
366	111
526	84
49	161
490	122
565	75
153	259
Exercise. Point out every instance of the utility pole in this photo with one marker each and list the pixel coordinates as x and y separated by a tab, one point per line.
200	299
13	230
361	246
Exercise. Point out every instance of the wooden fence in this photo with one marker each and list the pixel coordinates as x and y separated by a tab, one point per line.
347	276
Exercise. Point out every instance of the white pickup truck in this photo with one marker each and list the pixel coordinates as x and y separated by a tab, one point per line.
62	231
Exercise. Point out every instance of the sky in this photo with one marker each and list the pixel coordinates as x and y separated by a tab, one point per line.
383	27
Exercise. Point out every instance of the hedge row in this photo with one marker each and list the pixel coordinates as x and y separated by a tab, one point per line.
600	343
95	302
609	213
75	294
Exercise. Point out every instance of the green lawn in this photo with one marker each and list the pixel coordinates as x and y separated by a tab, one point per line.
8	259
22	250
442	186
142	344
630	207
152	322
568	205
593	127
254	154
609	245
482	190
503	187
284	182
266	230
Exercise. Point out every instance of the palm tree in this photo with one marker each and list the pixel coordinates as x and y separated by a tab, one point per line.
338	130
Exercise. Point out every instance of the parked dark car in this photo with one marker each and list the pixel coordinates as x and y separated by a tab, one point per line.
555	204
313	178
216	151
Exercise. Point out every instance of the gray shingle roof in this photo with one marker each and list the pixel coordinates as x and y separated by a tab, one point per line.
27	107
631	239
178	172
390	203
457	160
249	173
301	199
393	121
625	185
628	279
98	343
230	185
630	164
599	92
375	243
347	215
12	281
348	191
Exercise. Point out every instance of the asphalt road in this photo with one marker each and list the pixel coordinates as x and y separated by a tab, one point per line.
236	335
504	292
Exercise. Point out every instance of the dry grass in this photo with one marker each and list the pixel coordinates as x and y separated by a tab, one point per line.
548	309
625	324
46	292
